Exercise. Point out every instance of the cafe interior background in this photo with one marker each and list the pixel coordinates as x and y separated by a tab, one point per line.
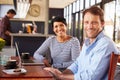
40	12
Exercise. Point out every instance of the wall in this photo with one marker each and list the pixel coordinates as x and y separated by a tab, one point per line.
6	1
52	13
17	25
43	9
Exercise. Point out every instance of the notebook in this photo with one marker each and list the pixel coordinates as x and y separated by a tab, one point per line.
27	61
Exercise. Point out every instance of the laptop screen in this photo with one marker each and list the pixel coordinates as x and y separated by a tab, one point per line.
26	61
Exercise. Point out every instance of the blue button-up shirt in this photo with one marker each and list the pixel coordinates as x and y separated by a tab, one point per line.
93	61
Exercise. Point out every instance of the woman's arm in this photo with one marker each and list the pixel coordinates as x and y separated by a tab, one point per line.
42	50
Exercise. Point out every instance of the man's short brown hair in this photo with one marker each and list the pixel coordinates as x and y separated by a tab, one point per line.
95	11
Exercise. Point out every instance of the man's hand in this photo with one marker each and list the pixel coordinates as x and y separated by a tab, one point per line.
55	72
7	33
67	75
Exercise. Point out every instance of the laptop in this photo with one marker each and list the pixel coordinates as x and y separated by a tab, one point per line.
27	61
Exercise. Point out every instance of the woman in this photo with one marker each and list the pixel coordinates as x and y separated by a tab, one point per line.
63	48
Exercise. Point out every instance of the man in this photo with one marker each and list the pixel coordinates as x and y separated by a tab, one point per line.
93	61
5	28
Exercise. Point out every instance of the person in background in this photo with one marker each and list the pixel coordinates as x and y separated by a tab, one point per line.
63	48
93	61
34	27
5	27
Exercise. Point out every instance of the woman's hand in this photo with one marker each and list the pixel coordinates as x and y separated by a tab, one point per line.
46	62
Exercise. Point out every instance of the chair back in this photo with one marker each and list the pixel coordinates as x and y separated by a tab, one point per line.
112	66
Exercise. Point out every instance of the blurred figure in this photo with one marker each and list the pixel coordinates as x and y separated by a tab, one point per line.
34	27
30	28
63	48
5	27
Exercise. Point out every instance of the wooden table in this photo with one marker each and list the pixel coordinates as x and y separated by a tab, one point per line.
33	73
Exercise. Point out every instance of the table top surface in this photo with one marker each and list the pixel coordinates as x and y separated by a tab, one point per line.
32	71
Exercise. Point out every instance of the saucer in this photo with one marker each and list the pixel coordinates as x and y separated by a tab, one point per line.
12	71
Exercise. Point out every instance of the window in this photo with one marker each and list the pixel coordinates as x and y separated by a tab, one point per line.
74	7
70	19
92	2
98	1
109	18
77	5
87	3
4	9
81	4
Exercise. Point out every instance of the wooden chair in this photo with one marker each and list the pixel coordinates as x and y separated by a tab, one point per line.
113	64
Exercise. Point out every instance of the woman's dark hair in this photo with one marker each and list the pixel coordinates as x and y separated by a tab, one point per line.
12	11
58	19
95	11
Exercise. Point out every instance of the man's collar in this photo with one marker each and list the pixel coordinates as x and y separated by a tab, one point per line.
87	41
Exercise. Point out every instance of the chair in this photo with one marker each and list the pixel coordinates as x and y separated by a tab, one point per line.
113	64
